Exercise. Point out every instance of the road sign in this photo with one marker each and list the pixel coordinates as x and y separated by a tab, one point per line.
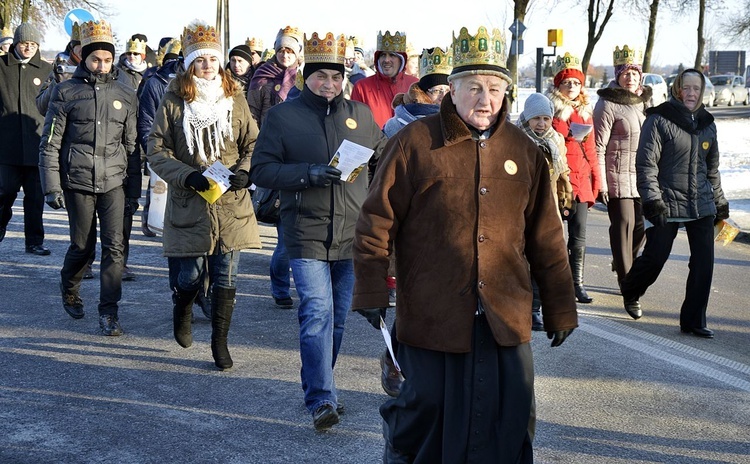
517	28
513	47
78	15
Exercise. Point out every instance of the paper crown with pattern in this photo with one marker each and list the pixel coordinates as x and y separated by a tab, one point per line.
567	61
255	44
135	46
356	41
267	54
75	32
395	43
349	48
96	31
327	49
6	33
174	46
483	53
199	35
627	55
437	62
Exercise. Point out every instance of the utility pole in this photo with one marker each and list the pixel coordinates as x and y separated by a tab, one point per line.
222	25
554	38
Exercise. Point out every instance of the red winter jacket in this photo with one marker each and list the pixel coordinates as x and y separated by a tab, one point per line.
378	92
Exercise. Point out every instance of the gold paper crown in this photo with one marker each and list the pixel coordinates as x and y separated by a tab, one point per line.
267	54
329	49
567	61
290	31
395	43
349	48
198	35
75	33
627	55
356	41
96	31
437	62
135	46
254	44
6	32
481	49
173	46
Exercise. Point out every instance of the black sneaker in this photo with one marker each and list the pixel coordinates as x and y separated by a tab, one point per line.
284	303
72	304
325	417
39	250
127	274
88	273
110	325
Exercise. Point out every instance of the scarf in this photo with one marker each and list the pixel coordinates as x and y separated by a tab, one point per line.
558	165
139	68
283	79
210	112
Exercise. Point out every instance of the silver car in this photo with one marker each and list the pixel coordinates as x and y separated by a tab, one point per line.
730	89
658	86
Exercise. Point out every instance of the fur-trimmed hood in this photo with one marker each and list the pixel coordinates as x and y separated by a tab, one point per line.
617	94
414	95
564	107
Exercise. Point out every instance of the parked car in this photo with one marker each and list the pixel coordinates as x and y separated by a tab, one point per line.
658	86
709	94
730	89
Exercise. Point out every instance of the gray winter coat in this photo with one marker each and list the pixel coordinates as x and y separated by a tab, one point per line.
89	137
618	117
678	163
20	121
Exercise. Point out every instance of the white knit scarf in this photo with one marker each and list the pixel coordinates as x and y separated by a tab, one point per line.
210	113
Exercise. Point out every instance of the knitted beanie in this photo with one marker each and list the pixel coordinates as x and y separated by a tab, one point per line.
537	104
243	51
27	33
619	69
569	72
431	80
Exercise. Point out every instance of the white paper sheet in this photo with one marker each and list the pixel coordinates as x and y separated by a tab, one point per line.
387	338
351	159
580	131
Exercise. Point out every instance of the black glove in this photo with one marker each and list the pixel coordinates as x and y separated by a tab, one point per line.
131	206
197	182
239	180
373	315
558	337
722	212
565	213
603	198
55	200
660	220
322	175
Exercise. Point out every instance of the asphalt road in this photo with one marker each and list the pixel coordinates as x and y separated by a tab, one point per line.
617	391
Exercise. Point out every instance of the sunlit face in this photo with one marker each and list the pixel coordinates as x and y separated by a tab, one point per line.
540	124
99	62
5	47
26	49
134	58
412	66
238	65
358	57
256	57
570	87
630	80
437	92
478	99
325	83
286	57
389	63
690	90
206	67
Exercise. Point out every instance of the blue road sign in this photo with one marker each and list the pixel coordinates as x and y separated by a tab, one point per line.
78	15
517	28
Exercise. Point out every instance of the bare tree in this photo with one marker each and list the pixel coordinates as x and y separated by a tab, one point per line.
653	9
701	39
43	13
599	14
739	27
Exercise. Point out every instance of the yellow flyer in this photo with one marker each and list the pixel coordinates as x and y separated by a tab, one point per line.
218	178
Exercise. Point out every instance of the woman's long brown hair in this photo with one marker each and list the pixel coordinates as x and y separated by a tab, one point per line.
186	87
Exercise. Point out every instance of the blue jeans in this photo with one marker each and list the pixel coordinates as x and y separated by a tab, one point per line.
221	270
325	293
279	267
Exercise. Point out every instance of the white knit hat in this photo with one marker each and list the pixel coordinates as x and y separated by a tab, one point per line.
200	39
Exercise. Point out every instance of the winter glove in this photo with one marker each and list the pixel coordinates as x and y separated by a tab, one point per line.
131	206
373	315
722	212
322	175
239	180
659	220
197	182
558	337
656	212
55	200
603	198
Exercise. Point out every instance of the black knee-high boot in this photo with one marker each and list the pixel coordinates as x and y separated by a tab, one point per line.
577	259
182	315
222	307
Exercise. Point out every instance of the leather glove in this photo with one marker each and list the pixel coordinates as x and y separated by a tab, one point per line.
722	212
660	220
131	206
558	337
55	200
322	175
565	213
239	180
603	198
197	182
373	315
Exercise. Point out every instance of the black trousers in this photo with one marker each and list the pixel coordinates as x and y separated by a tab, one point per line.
626	233
462	407
12	179
577	225
83	210
648	266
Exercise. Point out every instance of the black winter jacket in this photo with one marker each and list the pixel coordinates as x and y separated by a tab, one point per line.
318	223
88	142
151	91
20	121
678	162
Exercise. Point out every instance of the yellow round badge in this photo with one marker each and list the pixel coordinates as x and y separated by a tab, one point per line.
705	145
277	87
511	167
37	81
351	123
117	104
